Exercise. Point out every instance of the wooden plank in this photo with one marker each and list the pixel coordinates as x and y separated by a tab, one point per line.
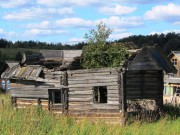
92	78
92	81
80	92
96	70
28	99
108	113
93	112
113	91
33	87
92	85
58	72
80	103
80	95
113	102
148	96
113	99
105	106
113	95
30	96
93	74
29	92
116	87
81	89
80	99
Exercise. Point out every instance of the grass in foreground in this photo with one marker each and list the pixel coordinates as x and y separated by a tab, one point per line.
37	122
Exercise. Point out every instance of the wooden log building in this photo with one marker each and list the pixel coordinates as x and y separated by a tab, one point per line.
106	93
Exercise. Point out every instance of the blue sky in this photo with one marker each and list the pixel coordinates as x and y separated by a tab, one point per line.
67	21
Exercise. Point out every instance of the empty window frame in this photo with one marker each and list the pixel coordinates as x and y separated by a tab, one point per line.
100	94
174	61
55	96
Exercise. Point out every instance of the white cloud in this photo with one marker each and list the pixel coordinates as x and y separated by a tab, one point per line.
170	13
6	34
117	10
11	34
41	32
75	40
68	2
122	22
119	30
120	35
37	13
114	22
1	31
51	3
176	23
143	1
42	25
13	3
74	22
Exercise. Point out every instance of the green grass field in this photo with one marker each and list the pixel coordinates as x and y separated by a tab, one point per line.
10	53
37	122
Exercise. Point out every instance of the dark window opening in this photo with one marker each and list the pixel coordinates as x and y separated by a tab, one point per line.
55	96
42	75
177	91
100	94
174	61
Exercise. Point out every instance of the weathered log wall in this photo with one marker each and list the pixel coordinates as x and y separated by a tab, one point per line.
81	97
29	103
143	84
35	93
26	96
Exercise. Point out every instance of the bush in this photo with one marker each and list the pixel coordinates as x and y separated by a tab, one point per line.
98	56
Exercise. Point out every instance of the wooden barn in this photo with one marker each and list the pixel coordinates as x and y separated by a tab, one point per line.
105	93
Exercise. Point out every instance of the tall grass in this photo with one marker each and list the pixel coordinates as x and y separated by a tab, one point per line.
10	53
35	121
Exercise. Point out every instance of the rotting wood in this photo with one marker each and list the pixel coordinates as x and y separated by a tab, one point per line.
93	85
92	81
80	99
80	95
70	78
81	89
81	92
93	70
29	96
92	74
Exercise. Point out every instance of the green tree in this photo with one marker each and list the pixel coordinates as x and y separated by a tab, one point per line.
98	53
99	36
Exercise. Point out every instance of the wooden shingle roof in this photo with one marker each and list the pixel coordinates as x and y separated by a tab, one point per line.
151	58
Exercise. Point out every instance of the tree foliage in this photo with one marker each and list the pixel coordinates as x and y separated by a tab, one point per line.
98	53
98	37
168	42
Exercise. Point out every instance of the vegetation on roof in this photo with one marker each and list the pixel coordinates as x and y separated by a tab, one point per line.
98	53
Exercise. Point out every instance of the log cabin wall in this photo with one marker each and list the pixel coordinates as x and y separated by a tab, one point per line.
86	89
143	88
24	96
30	93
